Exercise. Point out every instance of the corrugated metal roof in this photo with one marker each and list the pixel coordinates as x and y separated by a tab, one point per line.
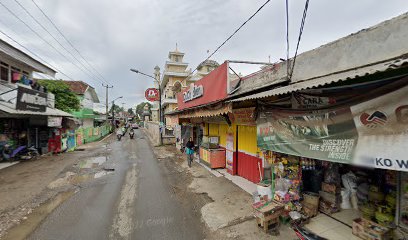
332	78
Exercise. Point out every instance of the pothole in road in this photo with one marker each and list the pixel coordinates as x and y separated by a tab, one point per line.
29	224
93	162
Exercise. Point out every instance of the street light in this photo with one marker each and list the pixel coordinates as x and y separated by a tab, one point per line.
160	93
113	110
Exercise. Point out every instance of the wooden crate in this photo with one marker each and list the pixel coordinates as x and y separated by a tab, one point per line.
268	214
369	230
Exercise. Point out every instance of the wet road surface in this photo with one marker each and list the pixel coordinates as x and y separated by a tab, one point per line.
136	201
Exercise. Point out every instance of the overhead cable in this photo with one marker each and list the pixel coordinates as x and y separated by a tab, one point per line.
67	40
302	24
42	38
49	33
239	28
40	58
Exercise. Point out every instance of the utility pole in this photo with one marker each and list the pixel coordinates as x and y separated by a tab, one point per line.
107	100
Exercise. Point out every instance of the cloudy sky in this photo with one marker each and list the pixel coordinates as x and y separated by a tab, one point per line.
114	36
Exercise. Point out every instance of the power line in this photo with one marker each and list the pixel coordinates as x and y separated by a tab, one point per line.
302	24
68	41
239	28
36	33
45	29
12	39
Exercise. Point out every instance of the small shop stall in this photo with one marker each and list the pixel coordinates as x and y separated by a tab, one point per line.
211	153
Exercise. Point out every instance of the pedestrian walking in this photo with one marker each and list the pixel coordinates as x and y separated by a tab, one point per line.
190	151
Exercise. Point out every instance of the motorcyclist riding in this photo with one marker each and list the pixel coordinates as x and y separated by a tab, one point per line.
131	133
119	133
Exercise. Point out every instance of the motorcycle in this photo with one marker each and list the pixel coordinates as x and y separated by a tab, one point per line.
20	153
131	135
119	136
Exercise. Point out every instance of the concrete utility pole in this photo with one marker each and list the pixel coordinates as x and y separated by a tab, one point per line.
107	100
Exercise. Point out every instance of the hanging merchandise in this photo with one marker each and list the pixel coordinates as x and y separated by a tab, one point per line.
288	178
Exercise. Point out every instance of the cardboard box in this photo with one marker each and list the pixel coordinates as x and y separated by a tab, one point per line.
330	188
369	230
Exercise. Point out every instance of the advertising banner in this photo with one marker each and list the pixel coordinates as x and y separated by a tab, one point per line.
373	133
382	126
229	153
326	135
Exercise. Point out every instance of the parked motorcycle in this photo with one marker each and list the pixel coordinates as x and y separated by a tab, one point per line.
19	153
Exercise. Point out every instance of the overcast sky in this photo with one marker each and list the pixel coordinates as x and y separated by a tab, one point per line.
117	35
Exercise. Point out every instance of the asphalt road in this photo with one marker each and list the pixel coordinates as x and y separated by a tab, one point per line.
136	201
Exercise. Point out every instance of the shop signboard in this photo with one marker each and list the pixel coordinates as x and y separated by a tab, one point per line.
373	133
152	94
229	153
308	101
31	100
54	121
243	116
195	91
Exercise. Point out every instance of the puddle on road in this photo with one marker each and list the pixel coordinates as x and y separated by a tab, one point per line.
102	173
77	179
27	226
93	162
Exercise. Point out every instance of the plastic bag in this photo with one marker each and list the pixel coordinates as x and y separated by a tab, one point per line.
349	181
282	185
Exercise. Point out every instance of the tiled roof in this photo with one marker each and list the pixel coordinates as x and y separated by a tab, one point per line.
77	87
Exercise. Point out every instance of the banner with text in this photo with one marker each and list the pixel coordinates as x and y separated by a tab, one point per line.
373	133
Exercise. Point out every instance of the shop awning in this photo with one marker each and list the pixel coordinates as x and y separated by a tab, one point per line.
8	110
207	112
331	78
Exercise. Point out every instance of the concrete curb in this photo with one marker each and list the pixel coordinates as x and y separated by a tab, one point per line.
105	137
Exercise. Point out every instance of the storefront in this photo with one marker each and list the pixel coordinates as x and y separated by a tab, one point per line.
30	121
341	152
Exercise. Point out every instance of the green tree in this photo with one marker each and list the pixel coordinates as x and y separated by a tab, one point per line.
140	108
117	108
130	111
65	99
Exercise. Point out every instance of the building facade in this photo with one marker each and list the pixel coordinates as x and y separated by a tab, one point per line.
88	97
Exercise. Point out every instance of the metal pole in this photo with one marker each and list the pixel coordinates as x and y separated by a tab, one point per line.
160	116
